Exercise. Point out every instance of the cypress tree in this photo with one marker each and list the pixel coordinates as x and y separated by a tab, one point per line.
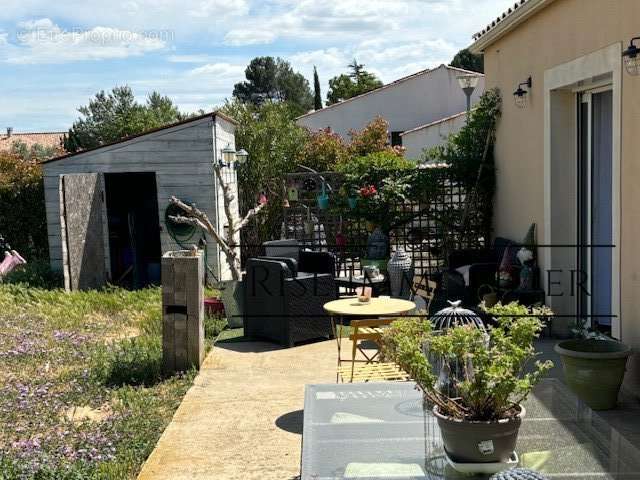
317	96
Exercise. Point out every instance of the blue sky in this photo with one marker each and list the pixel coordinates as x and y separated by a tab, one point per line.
54	56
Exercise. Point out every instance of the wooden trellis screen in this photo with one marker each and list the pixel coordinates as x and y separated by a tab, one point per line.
428	237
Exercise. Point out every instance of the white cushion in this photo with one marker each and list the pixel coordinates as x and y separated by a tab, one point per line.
464	271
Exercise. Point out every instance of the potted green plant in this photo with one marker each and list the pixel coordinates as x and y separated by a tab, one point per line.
488	376
593	366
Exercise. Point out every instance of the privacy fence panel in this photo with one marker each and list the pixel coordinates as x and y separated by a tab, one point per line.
439	220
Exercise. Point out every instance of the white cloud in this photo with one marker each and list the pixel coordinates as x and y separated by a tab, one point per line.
218	70
41	41
194	58
249	36
209	8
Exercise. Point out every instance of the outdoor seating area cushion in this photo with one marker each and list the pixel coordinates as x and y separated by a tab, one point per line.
464	271
317	262
292	263
282	248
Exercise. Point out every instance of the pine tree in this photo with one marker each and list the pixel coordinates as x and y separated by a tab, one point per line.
317	95
348	85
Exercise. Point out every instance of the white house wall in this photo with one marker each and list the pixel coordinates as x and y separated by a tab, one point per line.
415	101
181	157
418	140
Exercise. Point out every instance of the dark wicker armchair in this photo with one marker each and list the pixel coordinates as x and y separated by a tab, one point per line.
483	266
285	306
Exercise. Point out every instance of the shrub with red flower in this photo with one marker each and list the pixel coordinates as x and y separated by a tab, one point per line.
368	191
381	180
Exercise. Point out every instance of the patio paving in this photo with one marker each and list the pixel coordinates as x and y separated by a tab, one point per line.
242	419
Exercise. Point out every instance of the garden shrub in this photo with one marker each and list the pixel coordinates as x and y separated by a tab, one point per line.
380	181
22	208
498	368
371	139
470	155
464	151
134	361
36	274
213	325
323	150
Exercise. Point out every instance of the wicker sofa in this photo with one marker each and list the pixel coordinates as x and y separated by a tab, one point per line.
283	305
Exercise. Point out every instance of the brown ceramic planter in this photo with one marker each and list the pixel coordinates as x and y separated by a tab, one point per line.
479	442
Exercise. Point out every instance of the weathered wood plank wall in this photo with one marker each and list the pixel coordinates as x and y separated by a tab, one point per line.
180	156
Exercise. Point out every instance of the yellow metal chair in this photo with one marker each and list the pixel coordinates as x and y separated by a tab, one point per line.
367	368
425	288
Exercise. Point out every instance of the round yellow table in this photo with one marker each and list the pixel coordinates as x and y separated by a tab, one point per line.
347	308
376	307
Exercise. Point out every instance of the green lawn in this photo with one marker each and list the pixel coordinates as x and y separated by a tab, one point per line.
81	390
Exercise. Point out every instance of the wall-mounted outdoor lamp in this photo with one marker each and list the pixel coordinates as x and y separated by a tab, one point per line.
231	157
468	84
520	95
631	58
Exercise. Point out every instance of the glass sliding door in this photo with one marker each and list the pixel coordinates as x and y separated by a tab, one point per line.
595	206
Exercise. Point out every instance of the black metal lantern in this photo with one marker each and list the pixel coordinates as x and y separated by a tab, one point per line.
520	95
632	58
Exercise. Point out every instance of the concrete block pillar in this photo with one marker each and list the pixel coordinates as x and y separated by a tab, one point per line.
182	311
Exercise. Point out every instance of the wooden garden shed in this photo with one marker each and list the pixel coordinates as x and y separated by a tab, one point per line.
106	207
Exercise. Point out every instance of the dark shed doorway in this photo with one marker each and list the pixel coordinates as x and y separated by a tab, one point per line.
134	229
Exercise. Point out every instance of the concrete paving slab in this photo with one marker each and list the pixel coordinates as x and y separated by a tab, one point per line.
242	419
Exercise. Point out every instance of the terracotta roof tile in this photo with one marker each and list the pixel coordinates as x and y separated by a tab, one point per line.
499	19
46	139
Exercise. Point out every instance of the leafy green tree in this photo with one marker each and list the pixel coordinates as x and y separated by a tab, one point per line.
274	142
356	82
112	116
469	61
23	220
273	79
317	95
34	152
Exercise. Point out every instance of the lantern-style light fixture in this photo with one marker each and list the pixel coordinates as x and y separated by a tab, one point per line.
231	157
632	58
520	95
228	155
468	84
241	156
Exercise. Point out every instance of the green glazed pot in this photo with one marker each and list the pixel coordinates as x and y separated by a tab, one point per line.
594	369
